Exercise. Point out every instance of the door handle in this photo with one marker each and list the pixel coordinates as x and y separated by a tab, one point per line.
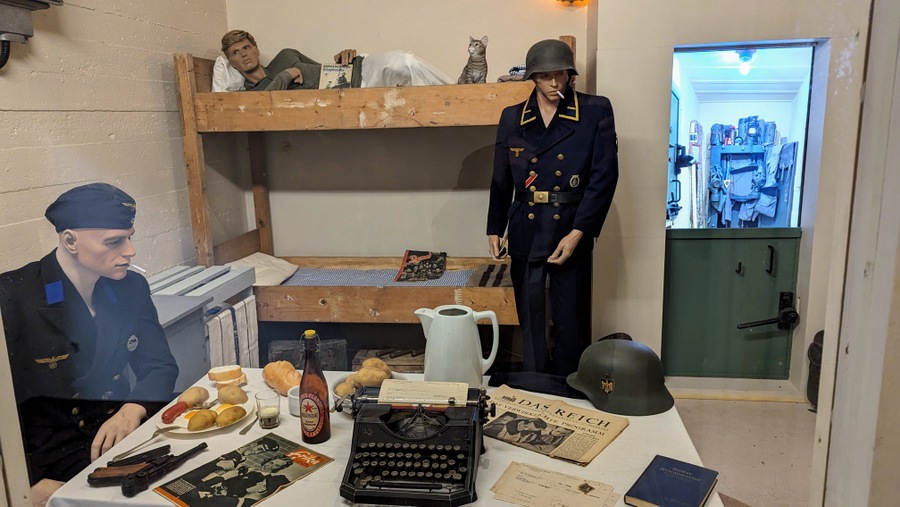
739	268
771	267
787	315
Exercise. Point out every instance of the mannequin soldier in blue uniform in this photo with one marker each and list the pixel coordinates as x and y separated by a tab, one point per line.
73	321
555	172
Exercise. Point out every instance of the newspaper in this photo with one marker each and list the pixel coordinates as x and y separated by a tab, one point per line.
245	476
550	427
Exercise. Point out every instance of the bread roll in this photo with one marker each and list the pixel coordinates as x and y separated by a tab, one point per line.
281	375
220	373
374	362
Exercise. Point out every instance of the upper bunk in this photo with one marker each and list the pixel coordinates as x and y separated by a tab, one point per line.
338	109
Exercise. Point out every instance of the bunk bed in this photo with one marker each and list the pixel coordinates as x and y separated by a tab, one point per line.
370	108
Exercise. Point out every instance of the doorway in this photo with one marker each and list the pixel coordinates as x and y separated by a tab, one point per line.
735	179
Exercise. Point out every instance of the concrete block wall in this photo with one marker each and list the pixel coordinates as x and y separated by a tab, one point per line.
92	97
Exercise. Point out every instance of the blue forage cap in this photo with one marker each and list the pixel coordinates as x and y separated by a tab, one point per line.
92	206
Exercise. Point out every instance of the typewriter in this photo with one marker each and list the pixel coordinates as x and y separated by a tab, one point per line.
415	454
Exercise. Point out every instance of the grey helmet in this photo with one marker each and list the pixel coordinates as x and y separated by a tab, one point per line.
622	377
548	56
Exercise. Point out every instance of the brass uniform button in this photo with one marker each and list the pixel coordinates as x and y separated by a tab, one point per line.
531	173
556	189
533	160
531	204
110	411
81	424
556	217
531	216
116	378
560	156
107	395
556	205
75	411
532	188
558	173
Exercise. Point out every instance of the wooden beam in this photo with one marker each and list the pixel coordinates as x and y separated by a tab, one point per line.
194	161
376	304
260	180
358	108
237	247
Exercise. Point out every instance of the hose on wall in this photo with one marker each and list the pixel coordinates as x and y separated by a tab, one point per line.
4	52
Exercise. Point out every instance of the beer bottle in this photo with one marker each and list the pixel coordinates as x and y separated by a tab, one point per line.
314	421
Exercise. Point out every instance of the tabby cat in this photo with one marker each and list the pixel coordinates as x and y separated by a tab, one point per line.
475	70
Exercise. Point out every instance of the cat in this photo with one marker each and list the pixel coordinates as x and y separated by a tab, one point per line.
476	68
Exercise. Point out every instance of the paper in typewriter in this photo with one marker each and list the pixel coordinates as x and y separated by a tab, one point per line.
551	427
244	476
531	486
403	392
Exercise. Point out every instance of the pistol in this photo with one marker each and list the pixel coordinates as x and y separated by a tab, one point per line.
136	482
115	471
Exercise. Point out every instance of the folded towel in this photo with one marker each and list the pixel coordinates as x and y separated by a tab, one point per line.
491	275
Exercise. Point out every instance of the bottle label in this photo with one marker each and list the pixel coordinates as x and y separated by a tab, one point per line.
312	414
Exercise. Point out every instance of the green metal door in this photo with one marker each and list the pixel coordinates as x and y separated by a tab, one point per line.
716	279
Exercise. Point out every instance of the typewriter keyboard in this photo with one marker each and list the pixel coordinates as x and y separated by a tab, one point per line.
428	467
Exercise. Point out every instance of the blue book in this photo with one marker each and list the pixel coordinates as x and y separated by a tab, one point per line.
668	482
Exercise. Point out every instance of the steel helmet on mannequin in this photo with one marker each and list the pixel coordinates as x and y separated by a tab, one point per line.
622	377
548	56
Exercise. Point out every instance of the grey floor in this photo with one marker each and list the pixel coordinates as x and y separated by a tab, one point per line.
762	450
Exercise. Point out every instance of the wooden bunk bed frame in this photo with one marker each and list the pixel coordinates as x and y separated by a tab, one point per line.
365	108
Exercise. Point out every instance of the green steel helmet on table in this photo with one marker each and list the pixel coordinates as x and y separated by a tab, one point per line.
622	377
548	56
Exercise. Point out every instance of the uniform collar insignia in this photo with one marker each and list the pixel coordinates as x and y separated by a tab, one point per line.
53	292
51	361
572	111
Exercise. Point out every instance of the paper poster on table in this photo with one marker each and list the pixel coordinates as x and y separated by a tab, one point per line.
244	476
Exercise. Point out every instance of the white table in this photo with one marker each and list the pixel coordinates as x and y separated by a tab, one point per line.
618	465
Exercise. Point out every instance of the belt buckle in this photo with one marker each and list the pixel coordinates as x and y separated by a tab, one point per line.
542	197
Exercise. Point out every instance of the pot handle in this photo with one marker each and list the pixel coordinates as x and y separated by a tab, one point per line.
488	314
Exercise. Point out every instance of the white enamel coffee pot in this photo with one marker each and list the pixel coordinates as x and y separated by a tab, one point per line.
453	347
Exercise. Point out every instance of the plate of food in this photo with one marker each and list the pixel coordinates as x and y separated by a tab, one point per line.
372	373
193	412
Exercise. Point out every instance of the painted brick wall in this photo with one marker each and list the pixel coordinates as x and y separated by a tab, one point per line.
92	97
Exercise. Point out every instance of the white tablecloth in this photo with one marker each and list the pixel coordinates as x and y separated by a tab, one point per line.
619	464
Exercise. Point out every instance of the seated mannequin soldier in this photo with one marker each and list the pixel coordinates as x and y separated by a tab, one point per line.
291	69
74	320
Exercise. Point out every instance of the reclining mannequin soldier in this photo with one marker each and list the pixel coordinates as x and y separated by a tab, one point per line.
291	69
74	320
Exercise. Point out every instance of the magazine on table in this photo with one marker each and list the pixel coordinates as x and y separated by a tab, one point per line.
552	427
244	476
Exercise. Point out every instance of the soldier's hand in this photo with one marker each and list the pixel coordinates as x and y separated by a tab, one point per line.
296	74
565	247
345	57
117	427
42	490
494	247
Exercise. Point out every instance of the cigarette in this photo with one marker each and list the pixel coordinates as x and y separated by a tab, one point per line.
142	270
560	94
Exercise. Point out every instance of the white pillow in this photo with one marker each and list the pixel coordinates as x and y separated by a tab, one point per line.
269	270
225	77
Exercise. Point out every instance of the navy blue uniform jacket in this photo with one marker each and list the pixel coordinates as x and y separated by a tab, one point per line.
576	153
64	395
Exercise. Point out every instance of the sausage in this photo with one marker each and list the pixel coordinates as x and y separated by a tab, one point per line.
173	412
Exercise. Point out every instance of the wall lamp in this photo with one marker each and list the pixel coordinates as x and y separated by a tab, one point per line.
15	22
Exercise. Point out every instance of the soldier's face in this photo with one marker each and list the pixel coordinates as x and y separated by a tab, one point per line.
105	252
548	83
243	56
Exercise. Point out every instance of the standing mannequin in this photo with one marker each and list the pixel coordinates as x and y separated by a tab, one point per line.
74	320
555	173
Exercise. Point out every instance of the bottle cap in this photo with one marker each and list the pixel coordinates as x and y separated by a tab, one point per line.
309	333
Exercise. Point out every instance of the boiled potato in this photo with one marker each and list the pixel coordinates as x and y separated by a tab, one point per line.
344	388
202	419
233	395
374	362
230	416
194	396
370	377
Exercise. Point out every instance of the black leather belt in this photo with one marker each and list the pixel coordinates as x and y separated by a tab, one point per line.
549	197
